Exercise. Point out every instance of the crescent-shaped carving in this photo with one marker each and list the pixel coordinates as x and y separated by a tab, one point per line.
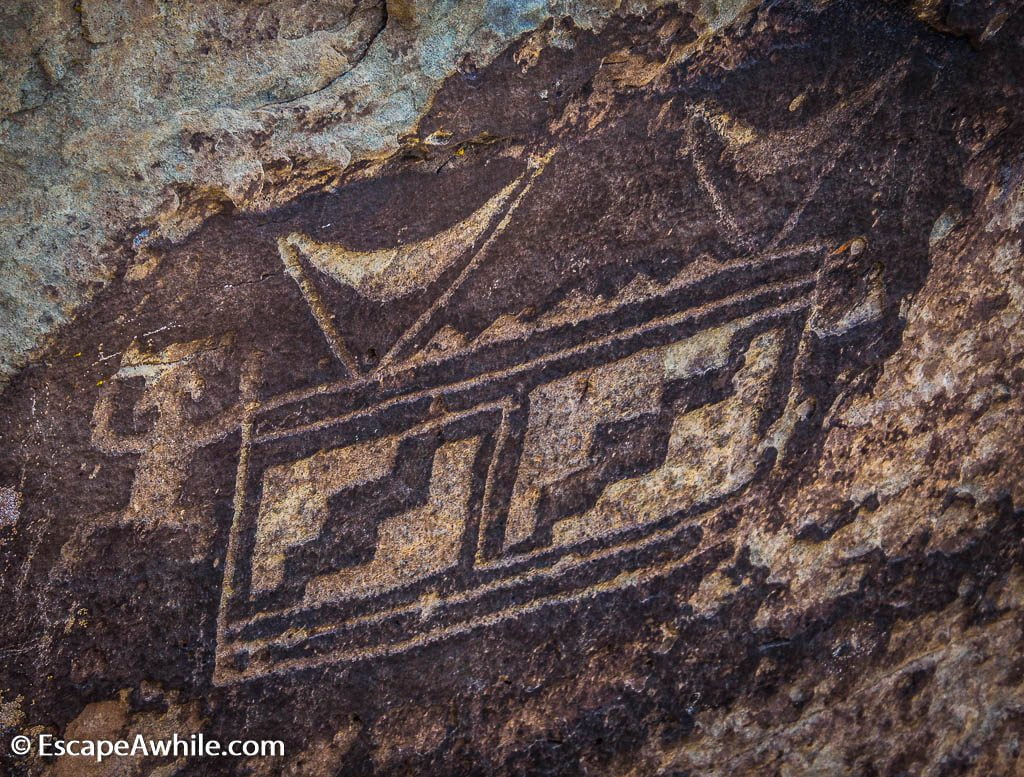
388	273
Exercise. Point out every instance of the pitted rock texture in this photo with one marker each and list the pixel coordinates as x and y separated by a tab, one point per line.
651	406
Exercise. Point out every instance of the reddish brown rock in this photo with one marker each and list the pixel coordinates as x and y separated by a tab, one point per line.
652	410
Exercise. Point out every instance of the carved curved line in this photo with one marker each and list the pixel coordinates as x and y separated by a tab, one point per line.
389	273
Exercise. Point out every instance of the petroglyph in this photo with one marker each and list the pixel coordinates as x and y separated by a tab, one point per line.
710	452
384	275
564	417
567	446
294	506
174	379
575	461
656	378
388	273
416	544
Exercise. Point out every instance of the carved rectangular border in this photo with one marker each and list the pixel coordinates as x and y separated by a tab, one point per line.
257	636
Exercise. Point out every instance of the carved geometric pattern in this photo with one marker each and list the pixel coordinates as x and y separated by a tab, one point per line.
448	484
446	496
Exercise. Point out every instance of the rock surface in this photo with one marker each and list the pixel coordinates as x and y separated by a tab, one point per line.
515	388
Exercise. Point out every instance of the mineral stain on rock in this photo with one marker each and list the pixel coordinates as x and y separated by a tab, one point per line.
647	405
